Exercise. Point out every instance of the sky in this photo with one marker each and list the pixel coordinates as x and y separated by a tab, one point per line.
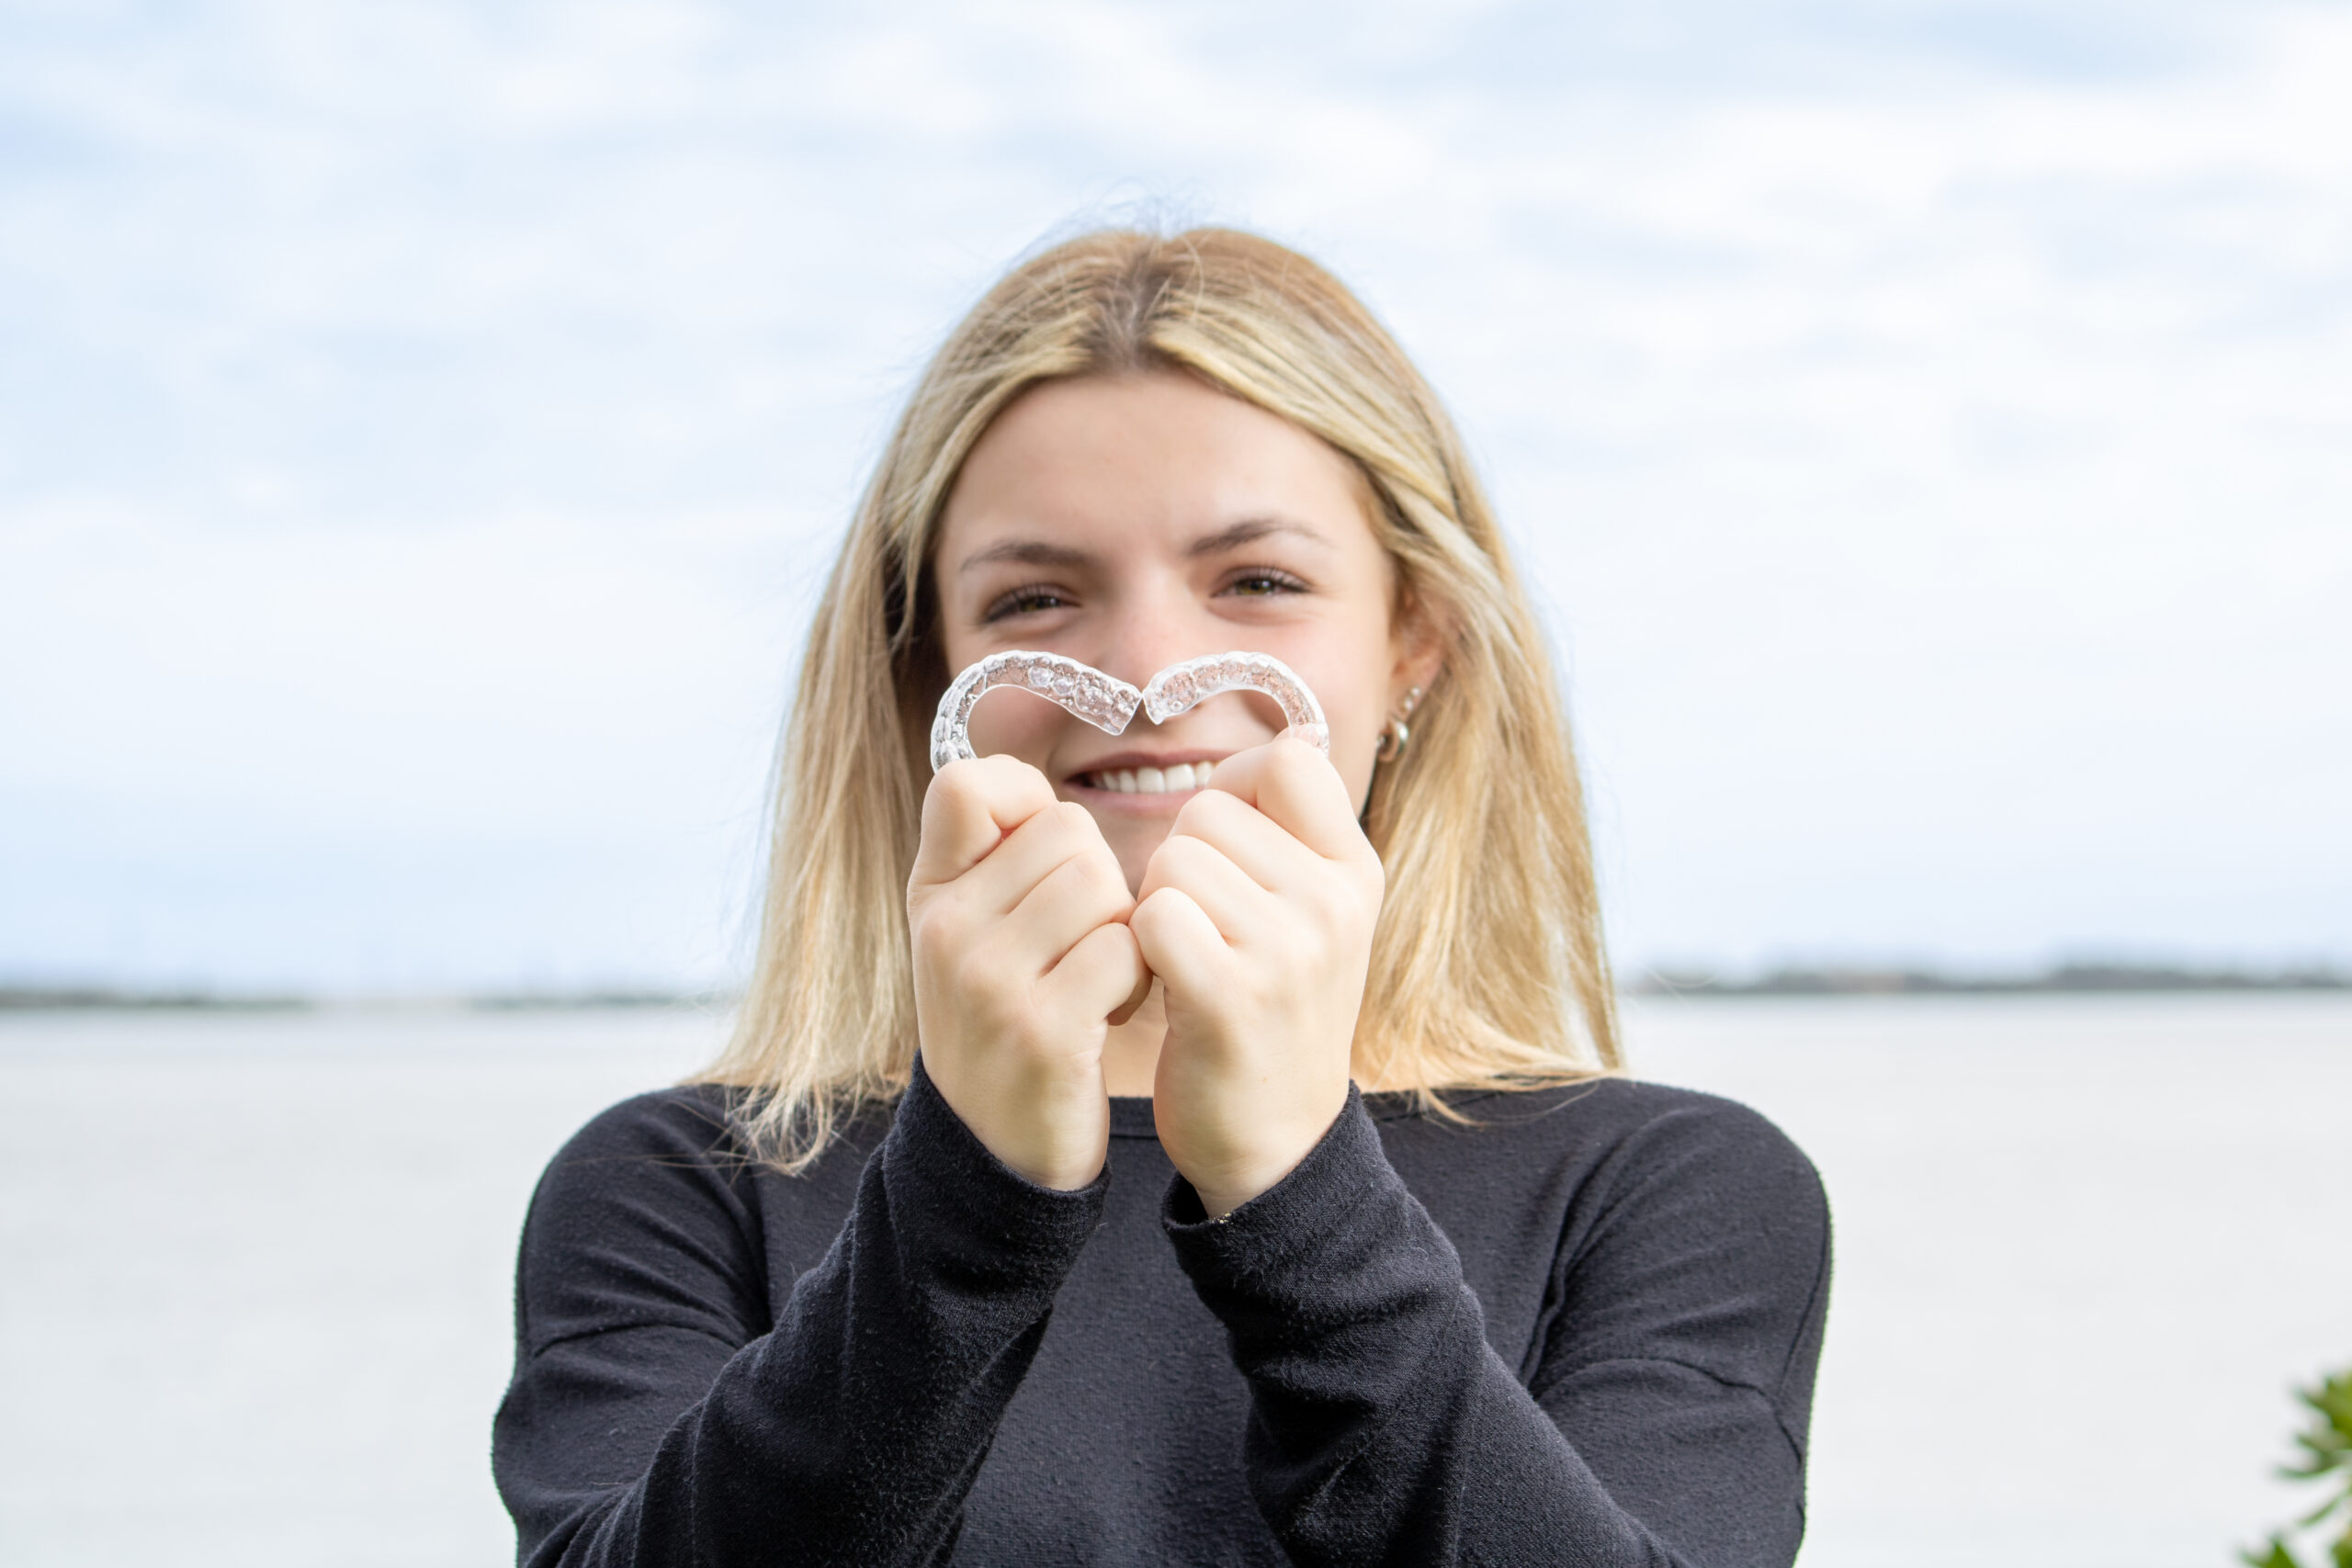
424	431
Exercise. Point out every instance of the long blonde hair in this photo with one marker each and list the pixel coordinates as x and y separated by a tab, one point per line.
1488	969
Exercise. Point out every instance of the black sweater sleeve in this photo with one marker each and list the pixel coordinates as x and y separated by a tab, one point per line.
1661	1422
656	1417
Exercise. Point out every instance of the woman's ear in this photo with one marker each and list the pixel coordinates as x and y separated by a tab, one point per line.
1419	636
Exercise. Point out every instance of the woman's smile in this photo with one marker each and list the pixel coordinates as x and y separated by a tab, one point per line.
1165	776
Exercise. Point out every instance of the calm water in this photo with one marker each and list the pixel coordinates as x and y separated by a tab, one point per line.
254	1272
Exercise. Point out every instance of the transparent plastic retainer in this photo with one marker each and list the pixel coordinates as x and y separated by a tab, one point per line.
1108	703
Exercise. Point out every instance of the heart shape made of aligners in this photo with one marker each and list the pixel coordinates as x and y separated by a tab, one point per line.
1108	703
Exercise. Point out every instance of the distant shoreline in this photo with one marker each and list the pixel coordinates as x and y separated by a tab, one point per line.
1827	980
2061	979
101	999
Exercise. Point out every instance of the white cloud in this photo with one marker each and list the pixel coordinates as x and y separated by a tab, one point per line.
1932	426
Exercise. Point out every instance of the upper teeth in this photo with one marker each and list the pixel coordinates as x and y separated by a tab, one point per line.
1153	781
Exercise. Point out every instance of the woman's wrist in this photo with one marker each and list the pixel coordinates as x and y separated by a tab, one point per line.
1301	1203
1227	1181
1049	1128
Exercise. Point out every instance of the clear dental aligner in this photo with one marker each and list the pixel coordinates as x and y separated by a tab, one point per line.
1101	701
1181	686
1109	704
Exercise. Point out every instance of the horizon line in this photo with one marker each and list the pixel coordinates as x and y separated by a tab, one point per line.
1818	979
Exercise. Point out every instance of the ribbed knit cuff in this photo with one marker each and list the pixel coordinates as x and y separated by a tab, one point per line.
1334	1277
1286	1225
980	1216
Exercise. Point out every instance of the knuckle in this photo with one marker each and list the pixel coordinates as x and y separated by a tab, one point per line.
999	781
1330	897
981	984
1157	909
1055	830
1355	919
949	904
1180	859
960	781
1205	804
1104	880
931	925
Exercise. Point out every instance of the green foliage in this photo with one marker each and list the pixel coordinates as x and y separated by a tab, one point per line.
2327	1456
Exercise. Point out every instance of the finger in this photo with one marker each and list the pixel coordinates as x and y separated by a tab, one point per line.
1296	787
1031	852
1236	905
1135	998
969	809
1265	851
1066	905
1179	940
1101	976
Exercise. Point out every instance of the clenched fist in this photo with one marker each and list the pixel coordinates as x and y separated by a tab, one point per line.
1021	953
1257	915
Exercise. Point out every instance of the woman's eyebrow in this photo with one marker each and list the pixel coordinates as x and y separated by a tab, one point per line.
1249	531
1028	552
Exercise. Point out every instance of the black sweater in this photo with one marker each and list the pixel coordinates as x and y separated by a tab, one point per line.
1580	1330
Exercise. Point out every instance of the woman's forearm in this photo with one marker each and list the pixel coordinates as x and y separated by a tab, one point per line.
852	1431
1384	1429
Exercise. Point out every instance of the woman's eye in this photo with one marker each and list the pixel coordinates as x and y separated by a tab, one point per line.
1257	583
1024	601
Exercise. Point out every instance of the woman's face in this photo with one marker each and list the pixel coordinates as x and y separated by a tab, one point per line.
1135	521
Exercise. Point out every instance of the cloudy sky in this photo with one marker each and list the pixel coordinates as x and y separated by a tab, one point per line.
423	429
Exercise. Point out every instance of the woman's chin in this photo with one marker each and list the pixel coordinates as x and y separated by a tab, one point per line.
1134	825
1132	842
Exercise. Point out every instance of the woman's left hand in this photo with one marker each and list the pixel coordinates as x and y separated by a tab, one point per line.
1257	915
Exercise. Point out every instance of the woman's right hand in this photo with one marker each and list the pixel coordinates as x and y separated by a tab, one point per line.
1018	912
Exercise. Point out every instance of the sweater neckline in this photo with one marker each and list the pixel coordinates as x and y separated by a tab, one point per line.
1131	1113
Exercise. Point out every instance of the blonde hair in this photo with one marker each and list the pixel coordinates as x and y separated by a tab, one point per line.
1488	969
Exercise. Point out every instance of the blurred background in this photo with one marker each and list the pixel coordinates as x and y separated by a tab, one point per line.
424	428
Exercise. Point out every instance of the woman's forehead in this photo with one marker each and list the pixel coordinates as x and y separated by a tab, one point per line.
1158	461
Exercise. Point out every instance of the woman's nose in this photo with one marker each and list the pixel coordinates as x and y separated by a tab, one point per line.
1150	638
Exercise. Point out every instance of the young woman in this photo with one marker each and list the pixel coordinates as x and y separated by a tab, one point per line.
1181	1145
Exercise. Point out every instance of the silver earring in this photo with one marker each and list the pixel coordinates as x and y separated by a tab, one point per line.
1397	733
